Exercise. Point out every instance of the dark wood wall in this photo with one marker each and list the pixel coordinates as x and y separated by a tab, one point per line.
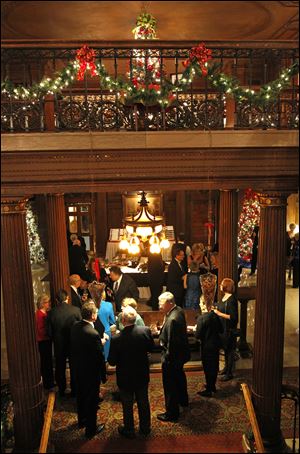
187	211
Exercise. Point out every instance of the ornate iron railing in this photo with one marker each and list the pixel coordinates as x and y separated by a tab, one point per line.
86	106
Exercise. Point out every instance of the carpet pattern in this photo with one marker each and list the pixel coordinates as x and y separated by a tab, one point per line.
224	414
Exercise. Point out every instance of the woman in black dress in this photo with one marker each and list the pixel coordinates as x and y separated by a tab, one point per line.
227	310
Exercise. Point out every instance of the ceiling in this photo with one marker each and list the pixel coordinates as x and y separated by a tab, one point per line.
184	20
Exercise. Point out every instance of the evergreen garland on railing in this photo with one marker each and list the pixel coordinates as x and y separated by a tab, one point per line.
162	93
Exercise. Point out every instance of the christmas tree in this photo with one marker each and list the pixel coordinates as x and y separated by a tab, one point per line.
250	216
35	248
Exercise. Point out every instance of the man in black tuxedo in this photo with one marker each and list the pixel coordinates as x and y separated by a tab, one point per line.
75	282
129	353
123	286
60	320
176	274
208	330
180	244
175	353
89	368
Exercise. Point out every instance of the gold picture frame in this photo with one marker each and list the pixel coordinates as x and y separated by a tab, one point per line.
131	203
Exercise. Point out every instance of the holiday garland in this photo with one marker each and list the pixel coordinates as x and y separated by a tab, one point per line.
147	82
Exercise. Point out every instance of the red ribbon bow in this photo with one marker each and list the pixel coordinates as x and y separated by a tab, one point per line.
200	54
86	59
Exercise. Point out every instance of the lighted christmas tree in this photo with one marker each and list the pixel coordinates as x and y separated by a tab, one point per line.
35	248
250	216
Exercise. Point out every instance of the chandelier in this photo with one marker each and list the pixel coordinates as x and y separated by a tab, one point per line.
143	226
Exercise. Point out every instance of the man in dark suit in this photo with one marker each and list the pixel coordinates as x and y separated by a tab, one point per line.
74	282
175	353
60	320
208	330
176	274
89	368
180	244
123	286
129	353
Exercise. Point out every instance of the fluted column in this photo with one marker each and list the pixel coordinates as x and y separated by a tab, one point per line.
269	320
18	304
228	235
57	243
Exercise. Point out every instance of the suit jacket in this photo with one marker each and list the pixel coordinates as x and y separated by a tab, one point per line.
127	288
208	330
76	299
175	281
173	338
59	323
87	354
129	353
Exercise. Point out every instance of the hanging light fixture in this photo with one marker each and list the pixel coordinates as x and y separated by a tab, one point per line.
143	226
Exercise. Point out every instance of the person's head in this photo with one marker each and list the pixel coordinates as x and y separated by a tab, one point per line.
129	302
73	237
166	302
62	296
128	316
292	227
181	236
75	280
97	291
197	248
179	254
194	267
43	303
83	284
227	285
89	311
115	273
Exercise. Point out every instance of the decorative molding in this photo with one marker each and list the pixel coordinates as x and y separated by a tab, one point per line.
272	199
13	205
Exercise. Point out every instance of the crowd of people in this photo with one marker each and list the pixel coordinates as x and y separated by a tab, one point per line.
98	325
89	334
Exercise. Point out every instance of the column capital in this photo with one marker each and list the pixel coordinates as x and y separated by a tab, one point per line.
13	204
272	199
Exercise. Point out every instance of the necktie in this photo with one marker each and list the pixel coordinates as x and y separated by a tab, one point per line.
116	287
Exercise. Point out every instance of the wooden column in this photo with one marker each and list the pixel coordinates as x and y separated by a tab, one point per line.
22	352
228	235
101	222
57	243
269	320
180	213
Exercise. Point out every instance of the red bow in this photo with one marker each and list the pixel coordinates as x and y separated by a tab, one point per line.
86	59
199	54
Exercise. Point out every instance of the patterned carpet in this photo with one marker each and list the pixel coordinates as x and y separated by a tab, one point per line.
224	414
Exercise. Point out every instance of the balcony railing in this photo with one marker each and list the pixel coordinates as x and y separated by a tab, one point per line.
86	106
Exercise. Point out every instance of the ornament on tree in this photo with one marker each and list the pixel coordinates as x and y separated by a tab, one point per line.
86	58
249	217
35	248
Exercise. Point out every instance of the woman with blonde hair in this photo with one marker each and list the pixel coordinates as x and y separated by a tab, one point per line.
227	310
138	321
105	312
44	341
198	255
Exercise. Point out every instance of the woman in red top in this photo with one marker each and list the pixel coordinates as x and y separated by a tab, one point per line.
44	342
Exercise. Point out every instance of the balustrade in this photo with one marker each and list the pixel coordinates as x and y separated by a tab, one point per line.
88	106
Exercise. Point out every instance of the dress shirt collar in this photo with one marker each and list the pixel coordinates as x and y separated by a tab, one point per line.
118	281
179	263
75	289
88	321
